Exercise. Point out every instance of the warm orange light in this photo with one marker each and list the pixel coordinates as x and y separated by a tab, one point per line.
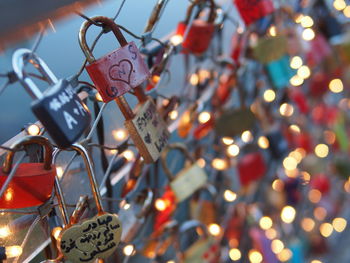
315	196
308	224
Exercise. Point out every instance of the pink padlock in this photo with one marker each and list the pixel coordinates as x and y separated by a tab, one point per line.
117	72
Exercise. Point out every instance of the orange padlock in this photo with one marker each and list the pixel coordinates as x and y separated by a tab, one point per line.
200	32
32	183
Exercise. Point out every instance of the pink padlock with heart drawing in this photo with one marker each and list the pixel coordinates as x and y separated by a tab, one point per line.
120	70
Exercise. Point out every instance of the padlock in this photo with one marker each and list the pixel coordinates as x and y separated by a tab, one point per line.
204	250
204	210
263	244
132	219
32	183
161	240
164	216
117	72
95	238
187	120
233	122
280	72
59	108
146	127
269	49
251	167
189	179
200	33
252	10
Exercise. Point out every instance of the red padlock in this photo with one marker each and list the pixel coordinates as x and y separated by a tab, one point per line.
32	183
117	72
321	183
252	10
251	168
200	33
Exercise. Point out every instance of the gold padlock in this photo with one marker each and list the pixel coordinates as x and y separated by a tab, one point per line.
146	127
95	238
189	179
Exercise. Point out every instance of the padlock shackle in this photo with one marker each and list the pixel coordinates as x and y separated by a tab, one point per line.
19	60
190	224
154	15
175	146
106	22
91	174
28	140
189	11
147	204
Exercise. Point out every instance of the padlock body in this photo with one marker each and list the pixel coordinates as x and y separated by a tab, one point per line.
97	237
31	186
280	72
118	72
62	113
199	36
148	131
251	168
252	10
131	224
187	181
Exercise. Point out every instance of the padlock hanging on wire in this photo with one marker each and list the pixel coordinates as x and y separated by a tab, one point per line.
200	33
78	241
59	109
32	183
146	127
117	72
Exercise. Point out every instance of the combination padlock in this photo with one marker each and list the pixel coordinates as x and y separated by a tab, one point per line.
95	238
32	183
59	108
146	127
200	33
117	72
253	10
189	179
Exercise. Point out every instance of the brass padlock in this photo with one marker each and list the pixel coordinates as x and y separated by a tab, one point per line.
146	127
95	238
189	179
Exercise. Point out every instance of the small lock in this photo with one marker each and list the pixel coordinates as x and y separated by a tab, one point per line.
203	250
189	179
59	108
251	167
32	183
280	72
253	10
120	70
146	127
95	238
134	220
200	33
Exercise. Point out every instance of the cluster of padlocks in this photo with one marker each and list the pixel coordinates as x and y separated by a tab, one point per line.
244	126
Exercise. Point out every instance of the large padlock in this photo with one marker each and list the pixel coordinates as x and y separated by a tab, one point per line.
95	238
204	250
134	216
189	179
146	127
59	108
32	183
200	34
117	72
252	10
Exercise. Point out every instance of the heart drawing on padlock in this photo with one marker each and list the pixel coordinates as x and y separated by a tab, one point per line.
93	238
121	71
